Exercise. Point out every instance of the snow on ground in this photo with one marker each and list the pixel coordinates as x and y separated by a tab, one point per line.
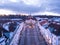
2	41
17	34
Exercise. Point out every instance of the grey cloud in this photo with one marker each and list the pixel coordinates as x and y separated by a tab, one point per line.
53	6
21	7
48	5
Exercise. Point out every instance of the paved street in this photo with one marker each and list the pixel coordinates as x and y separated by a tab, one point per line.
31	36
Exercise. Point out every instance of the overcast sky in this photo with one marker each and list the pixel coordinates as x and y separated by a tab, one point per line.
31	6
